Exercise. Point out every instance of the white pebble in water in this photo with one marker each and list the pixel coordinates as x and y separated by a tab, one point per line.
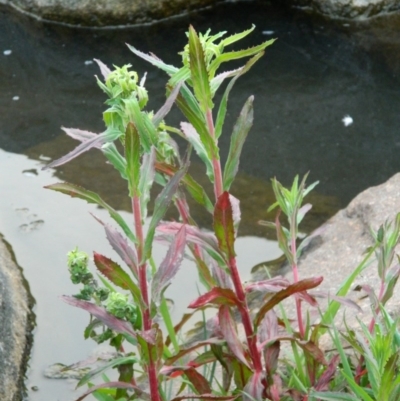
347	120
15	98
88	62
7	52
268	32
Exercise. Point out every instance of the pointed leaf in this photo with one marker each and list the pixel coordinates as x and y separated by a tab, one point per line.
105	71
223	225
217	296
164	110
147	173
326	378
169	266
118	325
114	272
198	71
132	156
107	136
199	382
239	134
301	285
206	397
160	207
194	139
81	135
228	328
91	197
254	388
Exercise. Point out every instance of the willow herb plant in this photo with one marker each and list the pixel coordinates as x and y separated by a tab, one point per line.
148	154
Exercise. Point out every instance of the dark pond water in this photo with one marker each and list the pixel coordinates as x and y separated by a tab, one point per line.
316	73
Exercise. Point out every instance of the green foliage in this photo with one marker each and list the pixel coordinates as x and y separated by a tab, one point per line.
125	307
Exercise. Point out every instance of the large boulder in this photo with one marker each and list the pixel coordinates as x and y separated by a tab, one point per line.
351	9
105	12
15	327
341	247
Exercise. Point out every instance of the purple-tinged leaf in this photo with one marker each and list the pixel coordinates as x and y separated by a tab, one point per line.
254	388
236	215
268	327
274	284
121	246
216	82
305	296
81	135
217	296
105	71
195	236
114	272
192	347
199	146
300	286
306	241
228	328
147	172
326	377
152	59
220	275
178	326
107	136
199	382
132	156
372	296
194	188
118	325
239	135
161	113
140	393
169	266
76	191
223	225
303	211
313	350
206	397
161	204
271	355
282	239
198	71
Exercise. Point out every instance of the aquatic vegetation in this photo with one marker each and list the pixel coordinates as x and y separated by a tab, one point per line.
239	354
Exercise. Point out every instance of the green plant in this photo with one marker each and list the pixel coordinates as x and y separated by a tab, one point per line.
138	143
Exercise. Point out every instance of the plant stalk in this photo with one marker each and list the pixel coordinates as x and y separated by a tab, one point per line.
147	323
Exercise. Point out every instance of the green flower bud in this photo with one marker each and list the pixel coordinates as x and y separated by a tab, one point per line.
118	305
77	266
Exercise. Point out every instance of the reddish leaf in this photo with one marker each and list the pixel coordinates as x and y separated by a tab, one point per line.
114	272
169	266
223	225
217	296
119	325
254	388
200	383
326	377
313	350
274	284
158	117
228	328
194	346
300	286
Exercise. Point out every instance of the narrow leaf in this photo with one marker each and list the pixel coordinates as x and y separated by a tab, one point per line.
199	382
228	328
147	173
160	207
132	156
76	191
223	225
118	325
198	71
105	71
140	393
206	397
164	110
81	135
217	296
239	134
301	285
254	388
169	266
114	272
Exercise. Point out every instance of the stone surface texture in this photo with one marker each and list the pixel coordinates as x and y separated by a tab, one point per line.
341	247
15	327
106	12
351	9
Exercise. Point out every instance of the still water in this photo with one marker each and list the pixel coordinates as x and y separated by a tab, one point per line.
316	73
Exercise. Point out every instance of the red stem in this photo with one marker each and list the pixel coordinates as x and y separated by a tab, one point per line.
147	323
246	320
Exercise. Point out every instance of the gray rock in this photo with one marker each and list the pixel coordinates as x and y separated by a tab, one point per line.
342	247
15	327
352	9
105	12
